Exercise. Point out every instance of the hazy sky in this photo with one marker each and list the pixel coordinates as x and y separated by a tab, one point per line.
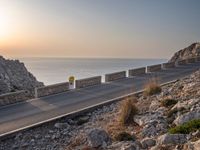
97	28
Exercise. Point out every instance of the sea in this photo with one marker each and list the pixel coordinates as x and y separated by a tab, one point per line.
57	70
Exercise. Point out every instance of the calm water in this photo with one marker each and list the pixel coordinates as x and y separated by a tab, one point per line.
56	70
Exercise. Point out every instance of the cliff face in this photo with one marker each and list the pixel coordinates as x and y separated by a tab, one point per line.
188	52
14	76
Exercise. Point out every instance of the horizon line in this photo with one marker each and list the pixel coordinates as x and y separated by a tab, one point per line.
78	57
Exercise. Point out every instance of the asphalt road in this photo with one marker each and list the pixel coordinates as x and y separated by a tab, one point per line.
19	115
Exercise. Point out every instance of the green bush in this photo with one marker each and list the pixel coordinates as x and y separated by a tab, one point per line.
123	136
187	127
152	87
168	102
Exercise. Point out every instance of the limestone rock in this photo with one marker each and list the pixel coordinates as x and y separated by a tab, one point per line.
61	125
197	145
98	138
188	52
14	76
186	104
154	123
187	117
154	105
172	139
192	145
146	118
148	142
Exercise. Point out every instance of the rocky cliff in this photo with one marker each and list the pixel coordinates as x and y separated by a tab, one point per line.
188	52
14	76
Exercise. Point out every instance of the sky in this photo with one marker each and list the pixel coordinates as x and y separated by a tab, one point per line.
97	28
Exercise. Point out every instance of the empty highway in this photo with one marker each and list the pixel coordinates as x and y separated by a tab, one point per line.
19	115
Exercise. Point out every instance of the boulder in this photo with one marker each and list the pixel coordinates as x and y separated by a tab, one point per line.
62	125
98	138
187	117
172	139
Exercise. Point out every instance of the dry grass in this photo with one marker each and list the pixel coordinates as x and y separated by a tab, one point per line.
152	87
77	141
124	115
114	127
127	111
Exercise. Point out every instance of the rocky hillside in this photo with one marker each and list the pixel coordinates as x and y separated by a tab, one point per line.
188	52
166	120
14	76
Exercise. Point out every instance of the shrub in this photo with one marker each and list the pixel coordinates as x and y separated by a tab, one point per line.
187	127
152	87
168	102
123	136
128	110
114	127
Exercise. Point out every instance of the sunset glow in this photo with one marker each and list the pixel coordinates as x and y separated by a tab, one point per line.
128	29
5	23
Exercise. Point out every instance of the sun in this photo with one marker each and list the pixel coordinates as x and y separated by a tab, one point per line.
5	23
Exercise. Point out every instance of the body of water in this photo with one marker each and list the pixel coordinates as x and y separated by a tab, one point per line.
56	70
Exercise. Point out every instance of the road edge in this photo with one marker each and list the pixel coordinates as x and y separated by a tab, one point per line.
78	112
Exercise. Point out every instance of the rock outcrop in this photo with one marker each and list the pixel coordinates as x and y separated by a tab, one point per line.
14	76
188	52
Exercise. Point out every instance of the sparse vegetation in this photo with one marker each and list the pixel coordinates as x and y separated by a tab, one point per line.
124	136
113	128
186	128
128	110
168	102
152	87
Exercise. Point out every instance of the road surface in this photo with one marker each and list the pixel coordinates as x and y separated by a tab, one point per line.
19	115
